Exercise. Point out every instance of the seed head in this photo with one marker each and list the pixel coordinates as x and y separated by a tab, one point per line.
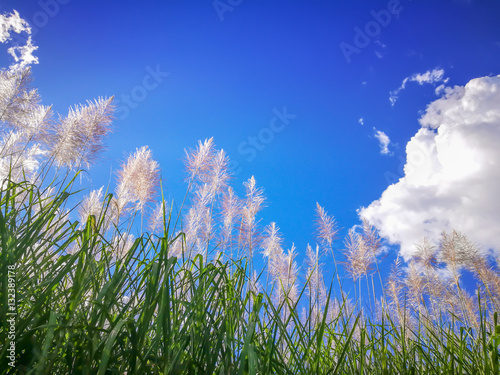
138	179
326	226
198	160
91	205
358	254
78	138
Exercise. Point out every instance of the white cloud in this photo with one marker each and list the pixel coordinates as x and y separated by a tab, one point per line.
361	121
23	55
431	76
452	172
383	140
436	75
12	22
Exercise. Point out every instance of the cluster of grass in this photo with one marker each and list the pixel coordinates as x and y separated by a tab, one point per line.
185	296
149	313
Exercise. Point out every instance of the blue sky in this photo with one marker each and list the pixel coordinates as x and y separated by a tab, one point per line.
226	69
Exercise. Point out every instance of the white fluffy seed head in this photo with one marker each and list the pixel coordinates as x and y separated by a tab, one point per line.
326	226
79	137
138	180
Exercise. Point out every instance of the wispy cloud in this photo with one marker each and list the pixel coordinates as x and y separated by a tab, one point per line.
12	22
23	55
361	121
383	140
451	175
431	76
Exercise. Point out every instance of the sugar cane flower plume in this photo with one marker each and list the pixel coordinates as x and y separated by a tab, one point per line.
416	286
208	175
18	161
457	252
425	254
198	161
102	208
271	242
395	288
272	251
199	220
91	205
358	256
138	181
283	270
159	213
253	204
326	226
217	175
207	166
371	238
230	208
79	137
316	284
20	108
22	123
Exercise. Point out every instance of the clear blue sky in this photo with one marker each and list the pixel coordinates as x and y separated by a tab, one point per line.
232	67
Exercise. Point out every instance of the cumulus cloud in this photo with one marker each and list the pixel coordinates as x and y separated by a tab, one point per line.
452	172
383	140
431	76
23	55
361	121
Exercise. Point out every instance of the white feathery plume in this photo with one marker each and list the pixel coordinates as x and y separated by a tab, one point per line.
20	109
203	195
156	219
253	204
316	285
17	98
358	254
271	243
371	239
79	137
425	254
17	160
137	180
217	176
199	220
456	251
176	249
36	125
231	207
198	161
326	226
416	285
395	288
284	269
291	275
91	205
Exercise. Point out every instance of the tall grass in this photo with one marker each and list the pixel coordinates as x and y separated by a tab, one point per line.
185	296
